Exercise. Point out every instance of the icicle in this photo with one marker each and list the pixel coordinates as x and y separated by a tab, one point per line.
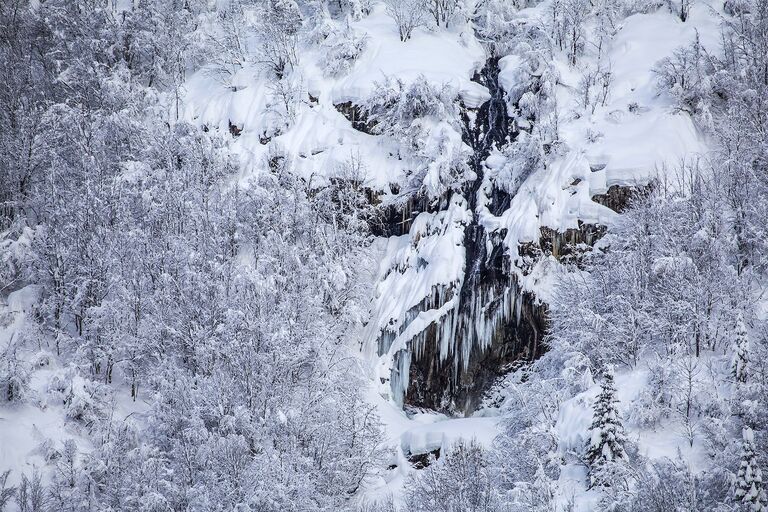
400	376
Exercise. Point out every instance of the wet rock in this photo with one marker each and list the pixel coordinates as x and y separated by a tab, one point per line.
423	460
571	245
235	130
356	116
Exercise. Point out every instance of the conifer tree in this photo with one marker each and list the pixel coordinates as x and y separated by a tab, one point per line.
607	437
741	351
749	481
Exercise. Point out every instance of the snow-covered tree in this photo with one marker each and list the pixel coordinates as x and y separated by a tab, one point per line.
568	19
461	480
740	351
606	434
223	306
686	75
278	26
525	458
683	10
408	16
443	11
750	490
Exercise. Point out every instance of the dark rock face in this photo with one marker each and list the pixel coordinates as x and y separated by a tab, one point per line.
235	130
618	198
422	460
396	219
570	246
439	385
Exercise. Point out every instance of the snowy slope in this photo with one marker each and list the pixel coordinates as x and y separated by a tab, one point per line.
319	139
635	137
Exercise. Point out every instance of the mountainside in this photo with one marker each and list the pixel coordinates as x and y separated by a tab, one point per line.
428	255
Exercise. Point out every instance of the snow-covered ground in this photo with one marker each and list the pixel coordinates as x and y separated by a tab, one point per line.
636	136
30	429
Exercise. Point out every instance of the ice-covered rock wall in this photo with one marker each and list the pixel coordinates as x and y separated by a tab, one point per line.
461	299
475	320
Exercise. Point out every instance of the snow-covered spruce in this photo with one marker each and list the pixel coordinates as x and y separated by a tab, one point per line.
606	434
750	490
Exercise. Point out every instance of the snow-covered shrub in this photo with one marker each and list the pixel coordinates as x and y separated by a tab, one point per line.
14	257
42	359
31	494
630	7
538	495
6	492
394	105
84	401
89	403
664	485
529	454
14	376
445	12
523	157
654	402
499	26
379	505
445	158
525	454
461	480
285	98
320	28
424	120
342	48
356	8
667	484
594	87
